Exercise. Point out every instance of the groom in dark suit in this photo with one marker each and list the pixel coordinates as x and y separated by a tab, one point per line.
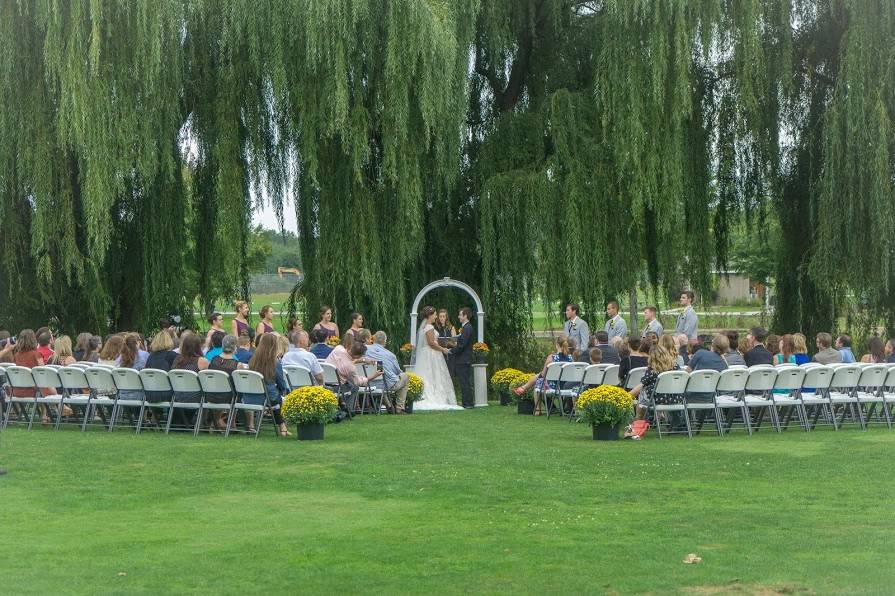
462	354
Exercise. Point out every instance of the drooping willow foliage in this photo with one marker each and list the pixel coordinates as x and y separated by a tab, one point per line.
573	150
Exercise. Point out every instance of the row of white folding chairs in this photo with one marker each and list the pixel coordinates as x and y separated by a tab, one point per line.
857	393
96	387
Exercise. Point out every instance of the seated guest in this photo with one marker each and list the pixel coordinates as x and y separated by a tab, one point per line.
574	351
800	345
758	353
786	350
876	351
225	361
320	349
743	347
343	358
843	344
772	343
161	352
683	346
111	353
266	362
669	342
26	354
6	347
130	354
190	358
298	355
282	346
244	349
82	347
560	355
364	336
216	342
825	353
610	354
394	380
621	347
63	355
660	360
890	351
712	359
44	341
733	357
636	358
595	355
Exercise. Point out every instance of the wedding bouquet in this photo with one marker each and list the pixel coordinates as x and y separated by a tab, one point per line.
310	405
414	388
605	404
332	341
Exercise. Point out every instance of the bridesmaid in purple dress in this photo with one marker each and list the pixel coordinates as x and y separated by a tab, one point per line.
266	324
326	323
240	324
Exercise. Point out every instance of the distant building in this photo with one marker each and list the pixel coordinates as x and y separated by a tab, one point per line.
735	287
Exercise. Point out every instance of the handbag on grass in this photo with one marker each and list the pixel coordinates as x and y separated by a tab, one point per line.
636	430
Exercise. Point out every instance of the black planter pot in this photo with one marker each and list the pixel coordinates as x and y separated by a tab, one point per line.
525	406
505	398
606	432
311	431
408	407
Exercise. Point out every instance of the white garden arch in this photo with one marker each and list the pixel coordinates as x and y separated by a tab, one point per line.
447	282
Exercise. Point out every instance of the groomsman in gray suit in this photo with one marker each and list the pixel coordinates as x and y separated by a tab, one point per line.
687	321
577	327
615	326
650	315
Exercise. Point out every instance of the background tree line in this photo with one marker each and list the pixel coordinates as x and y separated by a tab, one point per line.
567	149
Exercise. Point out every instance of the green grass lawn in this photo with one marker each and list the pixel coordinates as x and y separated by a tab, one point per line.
481	501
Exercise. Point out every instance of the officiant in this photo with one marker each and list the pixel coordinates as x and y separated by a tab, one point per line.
447	334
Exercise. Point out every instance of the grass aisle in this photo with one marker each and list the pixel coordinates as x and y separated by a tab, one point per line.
480	501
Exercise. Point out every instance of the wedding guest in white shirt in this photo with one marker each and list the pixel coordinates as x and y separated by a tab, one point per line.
298	355
615	326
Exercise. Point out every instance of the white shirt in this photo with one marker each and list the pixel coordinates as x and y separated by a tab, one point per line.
301	357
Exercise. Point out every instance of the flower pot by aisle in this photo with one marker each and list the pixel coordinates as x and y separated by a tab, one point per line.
525	406
606	432
311	431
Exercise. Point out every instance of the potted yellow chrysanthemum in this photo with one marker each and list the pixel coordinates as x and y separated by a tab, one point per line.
310	408
414	391
606	408
500	383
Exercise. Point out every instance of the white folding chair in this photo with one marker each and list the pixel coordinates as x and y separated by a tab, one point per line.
669	383
592	377
814	392
551	383
249	384
332	380
75	391
843	387
702	382
787	398
635	375
376	391
610	377
869	394
185	383
157	391
19	378
729	396
888	391
298	376
81	364
758	386
48	377
572	376
130	394
216	382
103	395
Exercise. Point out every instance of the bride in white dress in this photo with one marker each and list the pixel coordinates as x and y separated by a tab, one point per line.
438	388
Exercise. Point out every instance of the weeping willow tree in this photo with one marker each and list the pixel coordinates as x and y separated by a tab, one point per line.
572	150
